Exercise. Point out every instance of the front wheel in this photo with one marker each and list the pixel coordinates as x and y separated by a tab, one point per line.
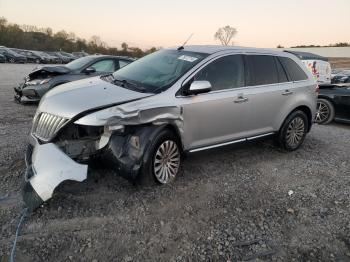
12	60
162	159
293	131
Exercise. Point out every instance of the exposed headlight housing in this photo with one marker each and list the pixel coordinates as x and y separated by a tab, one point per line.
38	82
119	128
45	81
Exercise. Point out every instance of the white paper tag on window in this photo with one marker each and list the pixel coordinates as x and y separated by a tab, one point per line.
187	58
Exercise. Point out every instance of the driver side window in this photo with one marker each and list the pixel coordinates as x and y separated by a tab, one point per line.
104	66
224	73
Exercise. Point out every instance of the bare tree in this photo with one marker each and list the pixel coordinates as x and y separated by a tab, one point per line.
225	34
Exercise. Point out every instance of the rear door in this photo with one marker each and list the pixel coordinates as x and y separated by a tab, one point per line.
268	89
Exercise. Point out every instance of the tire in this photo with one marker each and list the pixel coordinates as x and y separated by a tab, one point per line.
156	170
293	131
12	60
325	112
37	61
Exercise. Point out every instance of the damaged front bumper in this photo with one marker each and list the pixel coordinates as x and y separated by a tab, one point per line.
29	93
47	167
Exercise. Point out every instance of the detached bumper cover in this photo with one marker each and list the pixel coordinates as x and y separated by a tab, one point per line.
48	167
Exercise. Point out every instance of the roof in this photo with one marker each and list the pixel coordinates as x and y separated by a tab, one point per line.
307	55
211	49
111	56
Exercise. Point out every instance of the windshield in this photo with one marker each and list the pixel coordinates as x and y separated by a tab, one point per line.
79	63
11	52
159	70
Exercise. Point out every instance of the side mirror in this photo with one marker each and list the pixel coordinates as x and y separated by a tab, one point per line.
199	87
89	70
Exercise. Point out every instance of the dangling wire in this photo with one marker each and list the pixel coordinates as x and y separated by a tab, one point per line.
24	214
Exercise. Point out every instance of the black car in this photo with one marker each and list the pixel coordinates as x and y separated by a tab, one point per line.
70	56
63	59
333	104
44	78
34	56
12	56
79	54
50	59
341	77
2	59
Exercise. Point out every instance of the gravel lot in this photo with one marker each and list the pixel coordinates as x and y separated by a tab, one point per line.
227	204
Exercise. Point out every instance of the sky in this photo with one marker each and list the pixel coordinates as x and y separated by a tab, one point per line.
164	23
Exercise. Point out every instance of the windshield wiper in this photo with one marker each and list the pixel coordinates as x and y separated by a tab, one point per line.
126	83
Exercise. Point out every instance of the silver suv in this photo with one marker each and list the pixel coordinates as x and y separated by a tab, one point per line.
142	118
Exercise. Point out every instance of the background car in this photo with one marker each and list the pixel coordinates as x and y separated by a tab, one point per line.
342	77
80	54
336	71
70	56
63	59
333	104
2	58
44	78
50	59
12	56
35	57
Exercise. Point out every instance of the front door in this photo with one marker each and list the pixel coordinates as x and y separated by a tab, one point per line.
218	116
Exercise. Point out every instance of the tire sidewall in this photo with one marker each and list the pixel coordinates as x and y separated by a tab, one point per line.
331	111
284	128
147	176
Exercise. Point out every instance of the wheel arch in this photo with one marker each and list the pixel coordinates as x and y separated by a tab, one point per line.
304	109
173	128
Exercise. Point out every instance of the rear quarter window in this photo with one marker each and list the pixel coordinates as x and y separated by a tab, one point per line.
294	71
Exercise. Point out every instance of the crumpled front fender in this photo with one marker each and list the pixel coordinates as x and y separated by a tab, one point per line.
49	167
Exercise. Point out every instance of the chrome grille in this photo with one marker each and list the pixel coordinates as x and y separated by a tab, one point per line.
46	126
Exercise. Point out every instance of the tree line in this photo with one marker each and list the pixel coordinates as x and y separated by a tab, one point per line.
340	44
44	39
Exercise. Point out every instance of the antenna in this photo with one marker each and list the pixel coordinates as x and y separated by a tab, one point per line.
182	47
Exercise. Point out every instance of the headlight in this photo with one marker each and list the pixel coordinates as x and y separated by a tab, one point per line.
45	81
119	128
38	82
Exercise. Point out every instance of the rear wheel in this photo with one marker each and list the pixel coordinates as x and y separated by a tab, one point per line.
325	112
293	131
12	60
162	159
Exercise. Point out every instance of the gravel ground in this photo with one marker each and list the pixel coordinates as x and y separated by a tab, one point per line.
228	204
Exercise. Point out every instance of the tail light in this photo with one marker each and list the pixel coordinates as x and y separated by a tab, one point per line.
317	89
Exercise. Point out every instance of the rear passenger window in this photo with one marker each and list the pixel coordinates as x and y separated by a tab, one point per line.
282	77
261	70
224	73
293	69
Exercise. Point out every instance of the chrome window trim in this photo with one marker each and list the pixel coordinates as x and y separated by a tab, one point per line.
185	81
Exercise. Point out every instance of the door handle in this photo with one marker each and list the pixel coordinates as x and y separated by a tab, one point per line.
287	93
241	99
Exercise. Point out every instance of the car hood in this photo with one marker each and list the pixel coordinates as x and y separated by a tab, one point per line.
57	70
74	98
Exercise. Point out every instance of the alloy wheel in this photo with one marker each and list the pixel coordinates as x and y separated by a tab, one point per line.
322	113
166	161
295	132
